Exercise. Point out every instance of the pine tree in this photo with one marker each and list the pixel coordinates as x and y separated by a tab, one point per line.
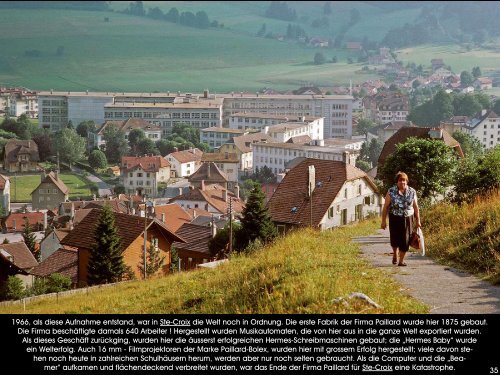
256	222
153	262
106	260
30	240
174	260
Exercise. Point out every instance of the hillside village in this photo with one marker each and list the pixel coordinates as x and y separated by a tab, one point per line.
181	166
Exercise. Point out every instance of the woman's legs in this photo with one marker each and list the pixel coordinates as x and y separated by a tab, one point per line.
394	255
401	258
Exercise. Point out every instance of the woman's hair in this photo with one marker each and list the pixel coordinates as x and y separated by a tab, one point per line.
402	175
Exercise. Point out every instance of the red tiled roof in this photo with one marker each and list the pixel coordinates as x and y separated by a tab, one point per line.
214	196
146	163
13	147
292	192
223	157
63	261
35	219
187	156
3	181
243	142
57	182
195	212
419	132
175	216
20	254
196	237
206	169
129	228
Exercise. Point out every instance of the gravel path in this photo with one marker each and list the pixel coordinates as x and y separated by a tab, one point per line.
444	289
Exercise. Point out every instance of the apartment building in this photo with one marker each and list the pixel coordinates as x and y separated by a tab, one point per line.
216	136
57	108
141	175
286	131
276	155
386	106
258	121
486	128
335	109
192	110
18	101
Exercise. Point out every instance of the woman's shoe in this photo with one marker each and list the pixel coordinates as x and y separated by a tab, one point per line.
402	264
394	260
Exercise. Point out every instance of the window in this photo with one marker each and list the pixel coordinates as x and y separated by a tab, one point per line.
343	217
367	200
330	212
139	174
358	213
345	193
359	189
130	174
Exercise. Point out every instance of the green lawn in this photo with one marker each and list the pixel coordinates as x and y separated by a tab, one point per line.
22	186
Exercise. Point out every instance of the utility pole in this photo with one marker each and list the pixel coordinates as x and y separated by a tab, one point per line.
146	204
230	225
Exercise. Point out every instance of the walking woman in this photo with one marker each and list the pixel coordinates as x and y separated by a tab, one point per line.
401	205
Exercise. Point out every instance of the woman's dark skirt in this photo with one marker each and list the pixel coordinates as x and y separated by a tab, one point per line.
400	229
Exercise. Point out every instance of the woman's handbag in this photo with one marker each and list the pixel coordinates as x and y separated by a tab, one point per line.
417	240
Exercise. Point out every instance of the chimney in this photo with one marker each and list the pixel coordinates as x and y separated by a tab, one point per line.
205	93
213	227
195	215
14	224
42	175
203	185
45	220
56	174
208	170
163	218
180	191
225	195
72	211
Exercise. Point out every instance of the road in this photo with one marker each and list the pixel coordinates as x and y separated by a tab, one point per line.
104	188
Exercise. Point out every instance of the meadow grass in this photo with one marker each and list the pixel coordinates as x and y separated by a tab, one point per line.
22	186
466	236
304	272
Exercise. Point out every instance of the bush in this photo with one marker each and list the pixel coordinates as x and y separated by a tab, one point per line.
58	283
12	289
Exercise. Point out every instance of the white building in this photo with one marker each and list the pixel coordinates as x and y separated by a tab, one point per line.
286	130
5	193
56	108
216	136
275	155
141	175
335	109
151	131
184	163
23	102
258	121
486	129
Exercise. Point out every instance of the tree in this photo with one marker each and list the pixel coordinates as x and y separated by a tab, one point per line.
364	125
5	240
156	13
430	165
97	160
12	289
466	105
85	127
147	146
262	30
116	144
174	260
30	239
202	21
106	260
476	72
165	147
154	261
327	8
172	15
471	146
466	78
415	84
363	165
44	142
134	137
496	107
255	222
319	58
370	152
70	145
219	244
478	176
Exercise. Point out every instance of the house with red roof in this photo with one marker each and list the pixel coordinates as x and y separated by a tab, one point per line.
341	194
14	223
16	260
142	174
132	230
184	163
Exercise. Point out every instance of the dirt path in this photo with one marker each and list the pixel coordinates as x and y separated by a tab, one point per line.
444	289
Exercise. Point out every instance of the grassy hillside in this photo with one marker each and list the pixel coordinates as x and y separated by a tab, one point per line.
466	236
303	273
131	53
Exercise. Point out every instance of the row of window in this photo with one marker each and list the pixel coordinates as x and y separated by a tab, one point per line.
139	183
138	174
492	125
174	115
47	102
48	191
264	105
